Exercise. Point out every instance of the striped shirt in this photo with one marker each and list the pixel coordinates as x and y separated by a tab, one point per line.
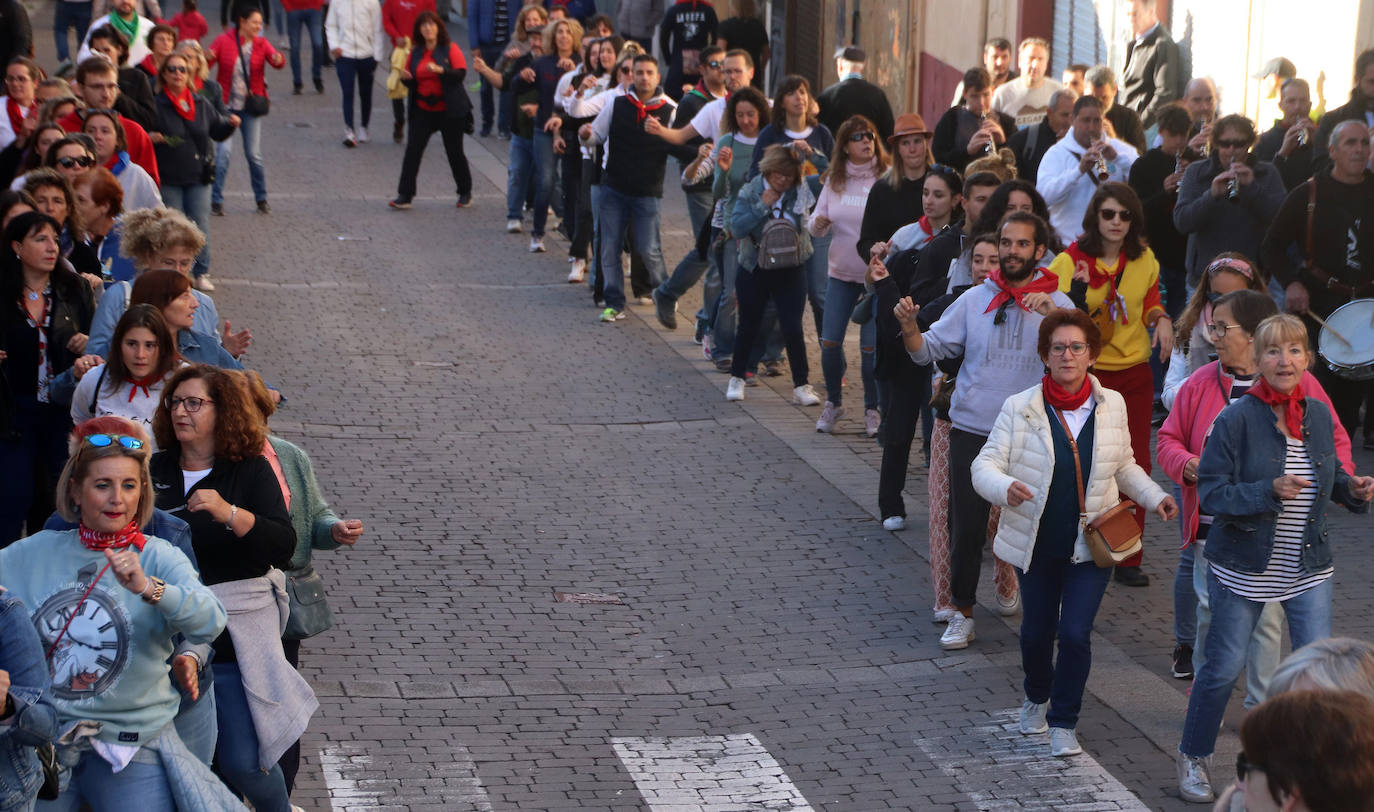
1285	576
1239	386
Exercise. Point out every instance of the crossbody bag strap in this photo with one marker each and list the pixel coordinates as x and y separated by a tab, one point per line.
1077	464
247	77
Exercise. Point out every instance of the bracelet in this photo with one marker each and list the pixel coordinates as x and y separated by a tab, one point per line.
159	586
233	512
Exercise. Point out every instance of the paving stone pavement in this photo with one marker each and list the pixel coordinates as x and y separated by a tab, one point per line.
502	446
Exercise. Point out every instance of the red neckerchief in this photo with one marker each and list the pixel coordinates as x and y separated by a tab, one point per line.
144	383
1046	282
1292	404
184	102
1061	398
925	225
198	83
1096	278
149	65
643	110
96	540
18	114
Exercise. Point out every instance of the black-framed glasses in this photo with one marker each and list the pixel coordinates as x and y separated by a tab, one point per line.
83	161
1233	143
107	440
862	135
1217	329
1076	349
192	405
1111	214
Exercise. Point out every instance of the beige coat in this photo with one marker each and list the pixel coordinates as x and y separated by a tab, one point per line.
1021	449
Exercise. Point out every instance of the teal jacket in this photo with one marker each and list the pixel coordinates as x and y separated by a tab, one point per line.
311	517
750	213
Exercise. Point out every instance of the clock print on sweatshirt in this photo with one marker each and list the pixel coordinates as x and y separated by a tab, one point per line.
94	651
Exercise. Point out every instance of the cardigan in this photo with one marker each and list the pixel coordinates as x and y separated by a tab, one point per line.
311	517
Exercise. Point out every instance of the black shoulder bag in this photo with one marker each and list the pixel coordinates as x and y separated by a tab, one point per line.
253	104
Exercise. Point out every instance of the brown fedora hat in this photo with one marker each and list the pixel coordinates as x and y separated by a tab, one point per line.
907	124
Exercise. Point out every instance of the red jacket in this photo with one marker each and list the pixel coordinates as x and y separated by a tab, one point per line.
398	16
189	25
223	53
140	145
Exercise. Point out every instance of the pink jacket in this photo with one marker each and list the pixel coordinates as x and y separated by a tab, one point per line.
1200	399
846	212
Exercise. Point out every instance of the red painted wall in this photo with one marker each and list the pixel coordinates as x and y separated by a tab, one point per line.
1036	19
938	80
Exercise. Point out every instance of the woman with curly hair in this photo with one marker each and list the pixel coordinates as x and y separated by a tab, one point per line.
211	473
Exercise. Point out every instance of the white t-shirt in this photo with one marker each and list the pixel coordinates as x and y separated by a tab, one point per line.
707	120
189	479
1027	105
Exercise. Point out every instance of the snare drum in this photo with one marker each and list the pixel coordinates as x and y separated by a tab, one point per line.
1351	355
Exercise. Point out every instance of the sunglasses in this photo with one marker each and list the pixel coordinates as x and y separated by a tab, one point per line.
1233	143
175	68
107	440
626	69
67	162
716	64
1111	214
864	135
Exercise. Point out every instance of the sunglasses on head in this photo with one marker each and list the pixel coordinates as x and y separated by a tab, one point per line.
1111	214
84	161
107	440
862	135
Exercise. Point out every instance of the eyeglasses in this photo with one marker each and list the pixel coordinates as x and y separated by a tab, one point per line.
1245	766
1111	214
717	64
19	78
192	405
67	162
107	440
1233	143
1076	349
175	68
1217	329
863	135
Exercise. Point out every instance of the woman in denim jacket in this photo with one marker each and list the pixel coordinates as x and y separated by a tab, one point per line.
1265	476
27	719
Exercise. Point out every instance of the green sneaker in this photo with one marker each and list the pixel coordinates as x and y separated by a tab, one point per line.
611	314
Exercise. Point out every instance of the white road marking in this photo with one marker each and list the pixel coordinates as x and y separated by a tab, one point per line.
708	774
351	774
337	765
999	768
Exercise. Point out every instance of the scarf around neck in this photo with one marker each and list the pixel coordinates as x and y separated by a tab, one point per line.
129	28
18	114
184	102
96	540
642	109
1061	398
1292	404
1046	282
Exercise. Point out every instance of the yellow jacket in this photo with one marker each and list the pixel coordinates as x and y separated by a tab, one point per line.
395	89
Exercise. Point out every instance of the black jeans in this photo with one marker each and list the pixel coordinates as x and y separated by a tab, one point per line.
905	394
968	519
423	124
487	94
290	761
786	288
572	188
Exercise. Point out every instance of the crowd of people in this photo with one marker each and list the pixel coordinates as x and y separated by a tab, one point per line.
1052	272
155	539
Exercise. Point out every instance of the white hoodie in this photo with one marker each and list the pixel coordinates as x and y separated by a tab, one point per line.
355	28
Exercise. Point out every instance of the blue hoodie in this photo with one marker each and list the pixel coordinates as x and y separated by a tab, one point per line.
111	665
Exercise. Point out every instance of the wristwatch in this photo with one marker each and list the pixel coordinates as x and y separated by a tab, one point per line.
159	586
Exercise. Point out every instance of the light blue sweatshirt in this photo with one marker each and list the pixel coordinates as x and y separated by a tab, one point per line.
111	665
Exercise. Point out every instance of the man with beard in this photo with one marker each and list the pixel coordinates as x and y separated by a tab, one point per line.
995	327
1359	108
1338	256
1027	97
1292	142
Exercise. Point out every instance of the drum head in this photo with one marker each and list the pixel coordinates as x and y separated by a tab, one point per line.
1354	322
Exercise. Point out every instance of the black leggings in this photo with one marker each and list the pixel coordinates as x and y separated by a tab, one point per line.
786	287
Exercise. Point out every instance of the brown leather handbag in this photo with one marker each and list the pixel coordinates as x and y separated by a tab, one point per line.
1113	536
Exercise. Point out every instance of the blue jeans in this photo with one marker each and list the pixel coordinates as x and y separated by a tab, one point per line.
518	175
619	214
67	16
842	296
351	71
196	722
692	267
194	202
313	20
490	54
1228	640
710	289
1059	600
251	130
818	280
724	313
93	783
1262	655
1185	598
543	180
237	749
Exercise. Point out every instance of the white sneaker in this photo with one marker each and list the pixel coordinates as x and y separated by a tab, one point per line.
513	226
894	523
578	271
735	389
1007	608
536	245
829	416
1063	742
872	419
943	615
203	283
1194	779
1033	717
804	395
363	137
958	634
350	140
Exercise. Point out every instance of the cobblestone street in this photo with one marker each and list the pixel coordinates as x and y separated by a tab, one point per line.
589	582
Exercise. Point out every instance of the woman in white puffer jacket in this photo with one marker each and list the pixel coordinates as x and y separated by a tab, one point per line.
1027	466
